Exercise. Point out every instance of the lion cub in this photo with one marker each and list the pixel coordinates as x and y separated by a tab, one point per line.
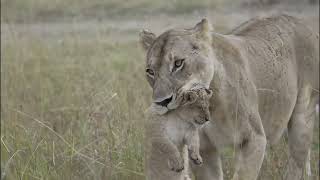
169	133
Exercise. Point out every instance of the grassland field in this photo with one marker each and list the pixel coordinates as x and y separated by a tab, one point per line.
73	90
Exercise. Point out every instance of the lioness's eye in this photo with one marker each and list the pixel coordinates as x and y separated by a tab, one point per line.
178	63
150	72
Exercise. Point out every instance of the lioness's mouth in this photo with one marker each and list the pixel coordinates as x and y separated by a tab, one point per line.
160	109
165	102
157	109
173	103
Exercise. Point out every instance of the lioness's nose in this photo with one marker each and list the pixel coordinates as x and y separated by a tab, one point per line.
164	102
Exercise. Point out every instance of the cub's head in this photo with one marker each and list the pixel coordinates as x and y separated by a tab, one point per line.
178	60
195	105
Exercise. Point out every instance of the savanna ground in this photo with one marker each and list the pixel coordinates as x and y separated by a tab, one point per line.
73	92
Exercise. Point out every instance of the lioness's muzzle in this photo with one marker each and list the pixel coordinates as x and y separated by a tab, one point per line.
165	101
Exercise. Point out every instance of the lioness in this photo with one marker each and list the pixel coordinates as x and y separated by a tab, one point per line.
265	76
168	133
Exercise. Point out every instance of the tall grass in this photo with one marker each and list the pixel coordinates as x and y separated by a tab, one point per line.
73	101
72	109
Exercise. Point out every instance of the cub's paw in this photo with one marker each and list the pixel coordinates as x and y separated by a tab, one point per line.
176	164
196	158
200	120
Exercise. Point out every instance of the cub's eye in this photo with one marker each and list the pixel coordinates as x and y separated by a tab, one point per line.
150	72
178	63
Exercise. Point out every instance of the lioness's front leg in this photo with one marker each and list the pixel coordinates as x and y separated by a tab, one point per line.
169	151
250	154
211	168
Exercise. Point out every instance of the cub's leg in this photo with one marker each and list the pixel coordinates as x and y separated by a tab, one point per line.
211	168
193	143
250	152
186	172
300	129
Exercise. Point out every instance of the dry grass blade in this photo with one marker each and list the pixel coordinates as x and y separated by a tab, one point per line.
71	146
3	173
34	151
4	144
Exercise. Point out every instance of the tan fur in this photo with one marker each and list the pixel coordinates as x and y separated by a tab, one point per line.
265	76
167	134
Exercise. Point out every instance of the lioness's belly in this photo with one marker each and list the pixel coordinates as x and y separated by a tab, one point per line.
276	79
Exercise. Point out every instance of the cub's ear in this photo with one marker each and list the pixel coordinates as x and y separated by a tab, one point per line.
190	98
204	29
146	38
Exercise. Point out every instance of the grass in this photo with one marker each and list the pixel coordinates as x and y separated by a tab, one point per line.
73	103
275	162
72	109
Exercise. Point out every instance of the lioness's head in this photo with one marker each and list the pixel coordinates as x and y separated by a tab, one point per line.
178	60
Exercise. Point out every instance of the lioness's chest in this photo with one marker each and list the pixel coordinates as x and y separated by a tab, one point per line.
176	129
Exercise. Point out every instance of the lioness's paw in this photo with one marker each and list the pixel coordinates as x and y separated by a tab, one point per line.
176	164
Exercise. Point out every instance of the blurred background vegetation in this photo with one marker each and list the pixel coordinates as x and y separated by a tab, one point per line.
73	92
45	10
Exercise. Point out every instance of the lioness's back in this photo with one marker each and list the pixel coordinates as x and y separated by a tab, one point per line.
282	55
287	37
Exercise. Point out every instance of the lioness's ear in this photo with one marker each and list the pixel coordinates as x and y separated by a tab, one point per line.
204	28
146	38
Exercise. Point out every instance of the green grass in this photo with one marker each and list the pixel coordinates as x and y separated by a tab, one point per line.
73	103
74	109
91	95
